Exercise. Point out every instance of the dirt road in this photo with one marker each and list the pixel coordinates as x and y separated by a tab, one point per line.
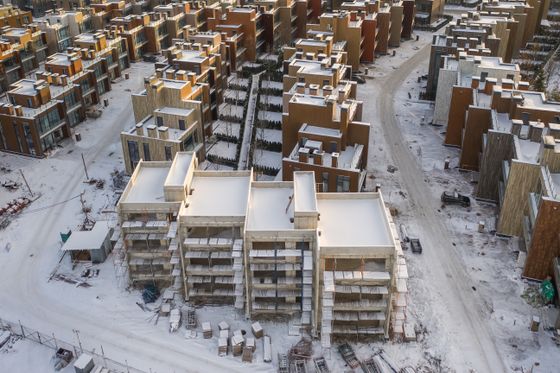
444	270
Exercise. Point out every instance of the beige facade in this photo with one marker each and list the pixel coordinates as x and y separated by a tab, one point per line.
220	237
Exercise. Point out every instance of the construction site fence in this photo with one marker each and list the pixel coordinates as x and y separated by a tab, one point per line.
54	343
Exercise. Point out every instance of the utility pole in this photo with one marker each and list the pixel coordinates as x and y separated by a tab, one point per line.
25	181
85	168
77	332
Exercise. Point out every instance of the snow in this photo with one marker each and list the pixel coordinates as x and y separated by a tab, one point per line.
235	111
148	185
222	149
215	195
267	158
270	208
179	169
304	192
352	222
226	128
271	84
88	240
270	100
271	116
27	356
269	135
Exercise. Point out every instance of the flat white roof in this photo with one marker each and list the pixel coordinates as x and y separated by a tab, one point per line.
179	169
148	185
347	221
215	195
87	240
304	192
270	207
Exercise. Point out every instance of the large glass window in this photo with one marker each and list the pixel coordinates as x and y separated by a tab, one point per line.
168	155
342	183
133	153
146	148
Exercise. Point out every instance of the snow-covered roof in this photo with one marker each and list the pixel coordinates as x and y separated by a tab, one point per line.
147	185
353	220
304	192
271	206
218	193
179	169
87	240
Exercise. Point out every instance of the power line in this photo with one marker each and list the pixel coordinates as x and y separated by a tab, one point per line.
49	206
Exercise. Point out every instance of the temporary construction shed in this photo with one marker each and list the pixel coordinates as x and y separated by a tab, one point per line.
93	245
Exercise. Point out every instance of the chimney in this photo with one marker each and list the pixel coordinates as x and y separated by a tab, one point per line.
152	132
18	110
192	78
523	86
64	80
489	85
163	132
309	56
313	89
475	82
139	129
169	73
516	125
181	75
327	90
318	157
300	88
341	95
334	159
536	130
303	155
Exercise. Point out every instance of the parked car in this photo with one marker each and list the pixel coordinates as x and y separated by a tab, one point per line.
415	245
359	79
455	199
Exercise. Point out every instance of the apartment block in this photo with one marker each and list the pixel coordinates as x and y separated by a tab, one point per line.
37	7
14	17
428	11
262	247
353	34
61	27
21	51
34	121
106	46
322	132
313	61
160	136
148	210
458	73
205	55
175	15
243	31
132	29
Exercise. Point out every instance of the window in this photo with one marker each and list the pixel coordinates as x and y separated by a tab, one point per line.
159	121
326	82
483	76
168	156
188	144
342	183
325	183
133	153
146	148
333	146
182	124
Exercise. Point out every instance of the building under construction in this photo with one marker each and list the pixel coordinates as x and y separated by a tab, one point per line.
272	248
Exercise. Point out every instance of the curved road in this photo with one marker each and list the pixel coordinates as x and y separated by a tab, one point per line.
443	264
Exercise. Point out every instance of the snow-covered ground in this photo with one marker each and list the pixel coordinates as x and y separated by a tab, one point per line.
23	355
271	116
269	135
271	84
226	128
223	149
267	158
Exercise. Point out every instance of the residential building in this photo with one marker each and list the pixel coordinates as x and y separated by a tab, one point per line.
61	27
428	11
34	121
243	31
322	132
458	73
21	52
204	54
219	237
160	136
132	28
14	17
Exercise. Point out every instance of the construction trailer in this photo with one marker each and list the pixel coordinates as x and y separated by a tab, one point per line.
90	246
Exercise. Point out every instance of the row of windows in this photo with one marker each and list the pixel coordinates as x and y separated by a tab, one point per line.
49	121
